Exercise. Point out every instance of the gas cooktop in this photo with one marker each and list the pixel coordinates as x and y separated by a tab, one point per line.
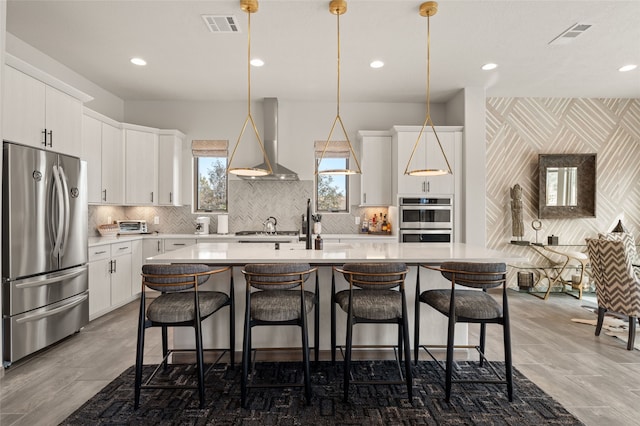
291	233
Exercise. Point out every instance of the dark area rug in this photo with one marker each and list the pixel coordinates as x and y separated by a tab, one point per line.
471	404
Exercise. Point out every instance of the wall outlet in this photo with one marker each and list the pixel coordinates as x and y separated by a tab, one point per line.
108	219
357	220
156	220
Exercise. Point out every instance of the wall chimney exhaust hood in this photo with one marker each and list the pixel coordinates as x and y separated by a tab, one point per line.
270	140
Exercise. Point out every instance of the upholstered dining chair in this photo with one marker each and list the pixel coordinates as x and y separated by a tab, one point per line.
617	283
180	304
469	305
376	295
278	298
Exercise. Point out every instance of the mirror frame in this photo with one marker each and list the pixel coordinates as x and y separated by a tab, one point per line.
586	164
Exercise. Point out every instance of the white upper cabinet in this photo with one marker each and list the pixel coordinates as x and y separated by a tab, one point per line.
103	149
112	165
38	114
427	155
141	166
169	167
375	161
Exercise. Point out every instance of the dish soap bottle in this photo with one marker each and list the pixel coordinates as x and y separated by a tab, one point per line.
318	242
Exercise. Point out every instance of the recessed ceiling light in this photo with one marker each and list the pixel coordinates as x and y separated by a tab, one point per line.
627	68
489	66
257	62
376	64
138	61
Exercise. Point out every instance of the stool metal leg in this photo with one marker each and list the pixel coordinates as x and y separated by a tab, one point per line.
139	352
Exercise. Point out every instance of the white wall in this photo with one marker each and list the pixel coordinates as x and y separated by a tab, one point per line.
103	102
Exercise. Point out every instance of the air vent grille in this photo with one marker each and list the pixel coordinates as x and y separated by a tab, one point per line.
570	34
221	23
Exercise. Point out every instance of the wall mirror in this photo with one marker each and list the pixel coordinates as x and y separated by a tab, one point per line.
567	186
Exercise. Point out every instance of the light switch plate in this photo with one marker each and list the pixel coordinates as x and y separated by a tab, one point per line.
156	220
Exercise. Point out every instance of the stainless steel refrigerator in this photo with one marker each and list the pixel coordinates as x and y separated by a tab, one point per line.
45	294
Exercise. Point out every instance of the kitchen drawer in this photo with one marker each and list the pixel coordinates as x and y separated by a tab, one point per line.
99	252
121	248
177	243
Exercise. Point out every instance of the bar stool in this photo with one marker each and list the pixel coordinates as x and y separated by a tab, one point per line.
180	304
469	306
371	299
279	299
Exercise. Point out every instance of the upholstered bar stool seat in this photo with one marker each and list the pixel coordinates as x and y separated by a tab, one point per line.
179	307
279	305
180	304
372	304
472	304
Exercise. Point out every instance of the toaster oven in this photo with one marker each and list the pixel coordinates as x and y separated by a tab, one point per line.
132	226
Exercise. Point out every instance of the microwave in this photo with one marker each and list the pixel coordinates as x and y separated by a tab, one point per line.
132	226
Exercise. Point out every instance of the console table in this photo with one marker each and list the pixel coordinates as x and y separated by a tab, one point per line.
559	261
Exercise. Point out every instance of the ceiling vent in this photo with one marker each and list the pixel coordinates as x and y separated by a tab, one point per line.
570	34
221	23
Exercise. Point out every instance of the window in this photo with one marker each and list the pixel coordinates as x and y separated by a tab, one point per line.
332	191
210	175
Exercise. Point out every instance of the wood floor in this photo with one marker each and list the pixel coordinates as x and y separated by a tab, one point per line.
595	378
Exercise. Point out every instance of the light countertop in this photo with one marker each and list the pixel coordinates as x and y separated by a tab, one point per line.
94	241
333	253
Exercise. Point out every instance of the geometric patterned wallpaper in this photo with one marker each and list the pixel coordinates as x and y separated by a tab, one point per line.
518	129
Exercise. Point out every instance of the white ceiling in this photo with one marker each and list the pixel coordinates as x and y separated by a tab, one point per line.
297	40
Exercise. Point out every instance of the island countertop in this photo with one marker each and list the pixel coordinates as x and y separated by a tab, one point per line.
333	253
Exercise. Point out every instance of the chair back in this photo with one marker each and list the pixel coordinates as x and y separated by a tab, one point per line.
617	286
475	274
374	276
276	276
176	277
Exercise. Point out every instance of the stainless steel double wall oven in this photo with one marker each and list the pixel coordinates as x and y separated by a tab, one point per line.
426	220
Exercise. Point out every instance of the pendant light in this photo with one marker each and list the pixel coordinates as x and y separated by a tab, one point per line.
428	9
249	6
338	7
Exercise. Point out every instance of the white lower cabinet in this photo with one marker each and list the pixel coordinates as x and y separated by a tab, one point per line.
151	247
109	277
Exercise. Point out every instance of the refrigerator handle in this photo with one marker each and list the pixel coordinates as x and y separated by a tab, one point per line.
60	205
29	283
67	210
74	301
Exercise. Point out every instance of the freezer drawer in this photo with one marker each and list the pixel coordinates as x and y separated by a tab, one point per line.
34	330
30	293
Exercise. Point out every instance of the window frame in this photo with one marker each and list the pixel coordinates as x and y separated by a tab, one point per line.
347	191
215	152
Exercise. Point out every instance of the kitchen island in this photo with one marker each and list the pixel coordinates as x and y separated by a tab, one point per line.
433	326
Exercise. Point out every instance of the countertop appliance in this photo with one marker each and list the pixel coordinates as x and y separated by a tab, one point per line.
426	220
202	225
45	295
137	226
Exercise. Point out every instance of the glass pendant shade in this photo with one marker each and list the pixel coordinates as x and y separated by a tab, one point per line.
249	6
427	10
338	7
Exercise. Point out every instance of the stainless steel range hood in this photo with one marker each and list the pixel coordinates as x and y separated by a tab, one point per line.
270	140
